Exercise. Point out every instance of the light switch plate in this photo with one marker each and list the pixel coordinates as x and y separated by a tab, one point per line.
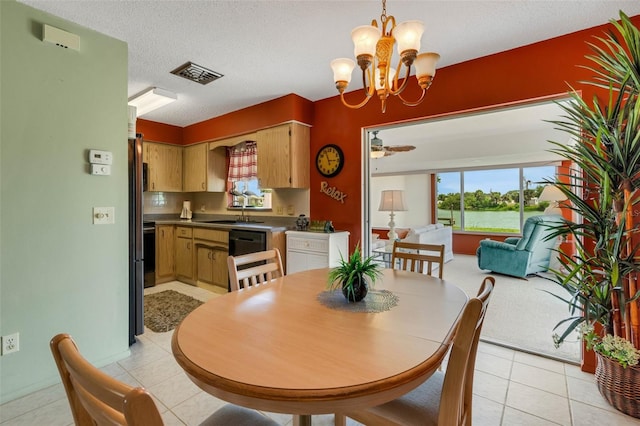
104	215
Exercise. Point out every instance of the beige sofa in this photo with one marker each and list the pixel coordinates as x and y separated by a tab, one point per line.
433	234
428	234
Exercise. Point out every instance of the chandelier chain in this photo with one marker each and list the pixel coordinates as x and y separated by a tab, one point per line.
383	17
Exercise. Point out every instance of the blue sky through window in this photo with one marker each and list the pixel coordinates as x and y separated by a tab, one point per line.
499	180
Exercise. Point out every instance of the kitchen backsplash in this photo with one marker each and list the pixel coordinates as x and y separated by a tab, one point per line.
285	202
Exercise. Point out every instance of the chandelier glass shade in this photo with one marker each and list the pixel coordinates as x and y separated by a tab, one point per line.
373	49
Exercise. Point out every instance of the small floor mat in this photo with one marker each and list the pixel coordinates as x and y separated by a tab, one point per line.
163	311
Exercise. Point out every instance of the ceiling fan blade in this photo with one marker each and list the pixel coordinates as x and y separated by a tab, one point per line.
399	148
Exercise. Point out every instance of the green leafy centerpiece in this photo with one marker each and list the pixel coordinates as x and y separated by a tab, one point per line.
354	275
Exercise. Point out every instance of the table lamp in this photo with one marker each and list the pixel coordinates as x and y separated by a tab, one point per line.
392	200
553	195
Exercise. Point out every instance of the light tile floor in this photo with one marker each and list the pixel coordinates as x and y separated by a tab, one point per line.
511	388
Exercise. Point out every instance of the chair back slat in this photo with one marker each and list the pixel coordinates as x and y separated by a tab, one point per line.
95	397
256	274
415	257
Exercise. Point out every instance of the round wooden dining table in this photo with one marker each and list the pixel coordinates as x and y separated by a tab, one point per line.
289	347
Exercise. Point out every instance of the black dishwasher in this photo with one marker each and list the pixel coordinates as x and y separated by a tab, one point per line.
243	242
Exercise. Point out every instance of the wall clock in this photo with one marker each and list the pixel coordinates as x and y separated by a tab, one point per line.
329	160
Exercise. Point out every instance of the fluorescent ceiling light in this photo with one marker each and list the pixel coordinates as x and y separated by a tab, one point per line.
151	99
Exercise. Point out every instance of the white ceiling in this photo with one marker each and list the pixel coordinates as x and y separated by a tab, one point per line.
268	49
505	136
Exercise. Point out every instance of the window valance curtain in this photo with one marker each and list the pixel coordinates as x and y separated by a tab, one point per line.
243	162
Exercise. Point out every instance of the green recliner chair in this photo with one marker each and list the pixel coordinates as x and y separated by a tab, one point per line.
520	257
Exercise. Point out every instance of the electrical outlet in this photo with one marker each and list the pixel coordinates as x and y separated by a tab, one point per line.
279	210
10	343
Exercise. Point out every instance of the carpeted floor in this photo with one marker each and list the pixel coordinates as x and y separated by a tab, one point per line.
521	314
164	310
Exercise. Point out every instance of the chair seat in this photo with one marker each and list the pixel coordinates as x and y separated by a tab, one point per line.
235	415
421	406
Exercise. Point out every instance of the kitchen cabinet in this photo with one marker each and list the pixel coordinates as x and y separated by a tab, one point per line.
212	249
184	254
204	169
165	253
283	156
312	250
164	166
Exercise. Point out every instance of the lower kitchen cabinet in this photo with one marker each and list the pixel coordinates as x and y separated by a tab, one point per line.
205	264
165	253
212	249
312	250
184	255
212	265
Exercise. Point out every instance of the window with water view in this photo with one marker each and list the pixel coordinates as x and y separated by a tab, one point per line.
491	201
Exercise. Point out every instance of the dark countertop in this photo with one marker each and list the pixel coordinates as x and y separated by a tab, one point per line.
264	224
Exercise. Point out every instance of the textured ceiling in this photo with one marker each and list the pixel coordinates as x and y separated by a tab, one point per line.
268	49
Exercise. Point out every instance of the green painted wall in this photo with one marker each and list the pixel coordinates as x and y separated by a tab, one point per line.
58	271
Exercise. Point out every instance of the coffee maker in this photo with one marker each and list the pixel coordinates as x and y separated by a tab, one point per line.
186	210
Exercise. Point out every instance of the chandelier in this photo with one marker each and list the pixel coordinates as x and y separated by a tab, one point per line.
373	51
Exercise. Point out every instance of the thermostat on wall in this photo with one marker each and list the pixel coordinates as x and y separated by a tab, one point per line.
100	157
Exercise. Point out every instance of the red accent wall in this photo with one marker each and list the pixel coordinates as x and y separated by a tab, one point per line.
266	114
159	132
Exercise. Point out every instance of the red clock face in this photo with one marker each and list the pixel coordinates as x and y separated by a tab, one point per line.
329	160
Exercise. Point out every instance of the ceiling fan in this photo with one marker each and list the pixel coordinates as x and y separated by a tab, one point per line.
378	150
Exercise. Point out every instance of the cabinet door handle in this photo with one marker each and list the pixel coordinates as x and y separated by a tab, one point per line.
162	233
202	185
209	255
188	246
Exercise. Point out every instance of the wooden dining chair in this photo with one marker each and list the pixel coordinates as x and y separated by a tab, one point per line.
263	267
415	257
444	399
98	399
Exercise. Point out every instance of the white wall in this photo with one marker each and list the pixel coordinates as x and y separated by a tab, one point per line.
416	196
58	271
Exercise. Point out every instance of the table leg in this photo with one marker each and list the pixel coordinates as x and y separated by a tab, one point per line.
301	420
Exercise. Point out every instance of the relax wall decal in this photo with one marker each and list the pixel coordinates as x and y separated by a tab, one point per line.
332	191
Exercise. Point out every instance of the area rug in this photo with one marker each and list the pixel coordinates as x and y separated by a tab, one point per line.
164	310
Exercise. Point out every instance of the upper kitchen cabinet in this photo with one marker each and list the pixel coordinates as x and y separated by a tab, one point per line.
204	169
164	165
283	156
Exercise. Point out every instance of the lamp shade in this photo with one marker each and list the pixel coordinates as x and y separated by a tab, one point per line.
392	200
151	99
377	154
342	69
365	38
426	64
408	35
552	194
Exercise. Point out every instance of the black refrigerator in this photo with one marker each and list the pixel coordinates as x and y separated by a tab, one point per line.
136	242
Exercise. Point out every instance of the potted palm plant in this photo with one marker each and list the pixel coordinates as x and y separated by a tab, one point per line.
354	275
599	274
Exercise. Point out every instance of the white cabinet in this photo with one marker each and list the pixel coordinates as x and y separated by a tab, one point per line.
312	250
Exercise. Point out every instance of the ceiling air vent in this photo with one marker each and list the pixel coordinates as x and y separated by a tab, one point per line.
196	73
